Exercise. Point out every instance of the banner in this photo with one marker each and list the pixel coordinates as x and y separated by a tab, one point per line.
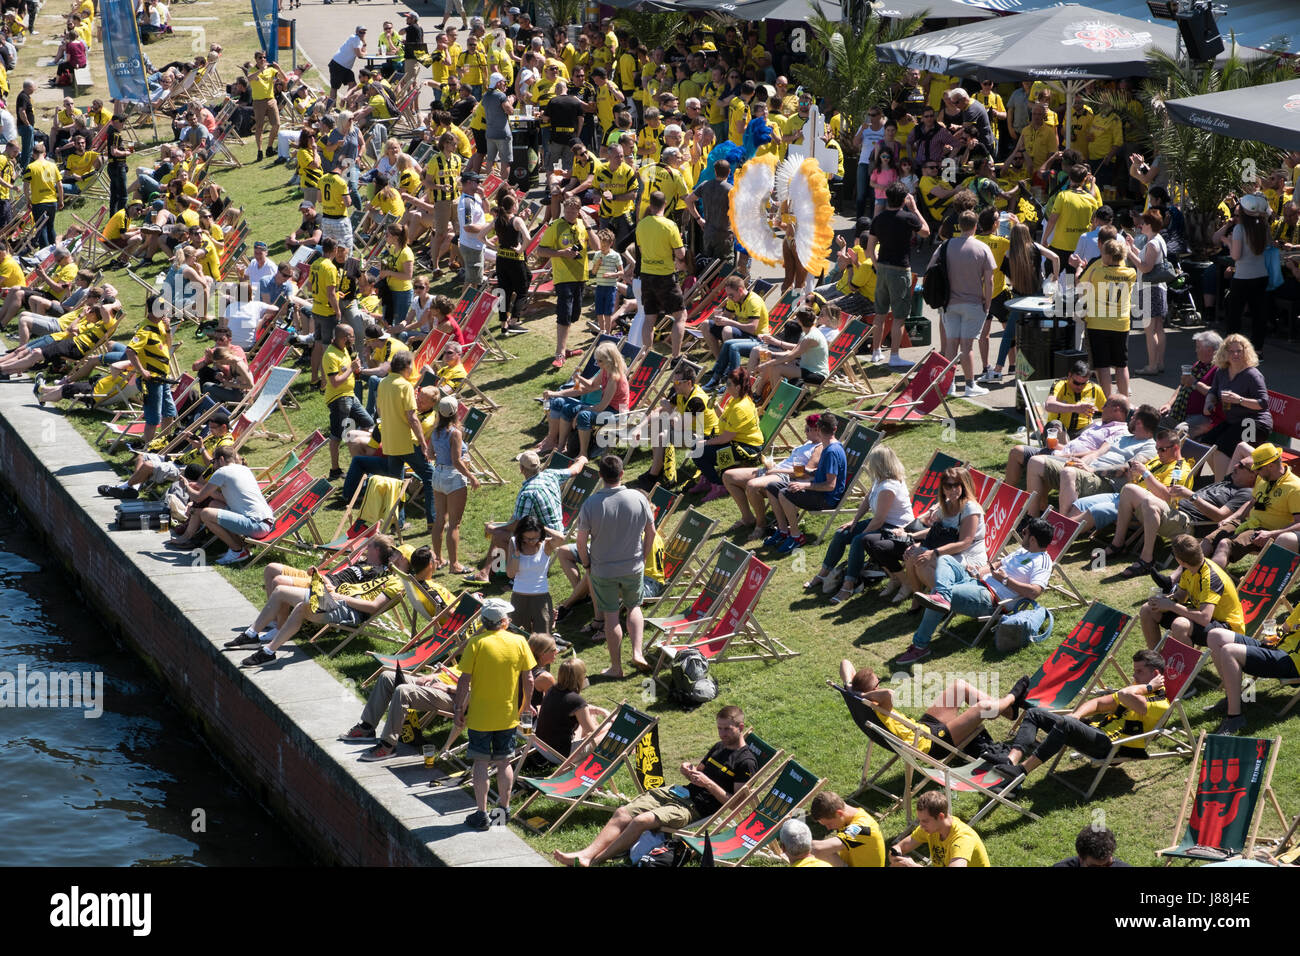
648	762
266	16
123	61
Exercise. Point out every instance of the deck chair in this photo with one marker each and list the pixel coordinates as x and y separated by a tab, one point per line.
590	768
915	396
1003	509
300	454
1064	530
845	364
664	501
1268	579
433	643
1182	665
640	383
128	424
780	406
286	535
473	420
576	492
734	627
768	759
681	550
1220	814
715	579
377	623
926	491
735	838
355	519
1074	668
1034	395
857	445
271	393
970	776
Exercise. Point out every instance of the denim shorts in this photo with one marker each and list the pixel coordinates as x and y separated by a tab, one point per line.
606	297
565	408
243	525
491	744
447	480
158	402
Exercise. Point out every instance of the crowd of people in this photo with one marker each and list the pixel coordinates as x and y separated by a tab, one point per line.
414	190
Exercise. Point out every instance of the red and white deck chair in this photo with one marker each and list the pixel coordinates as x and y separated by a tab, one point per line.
706	593
128	424
926	491
1064	530
286	535
300	454
915	396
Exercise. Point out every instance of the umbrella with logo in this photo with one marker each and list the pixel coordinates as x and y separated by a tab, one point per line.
1269	113
757	10
1070	44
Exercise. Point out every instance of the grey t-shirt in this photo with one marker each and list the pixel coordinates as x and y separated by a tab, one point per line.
239	487
715	202
969	260
1124	450
494	114
616	519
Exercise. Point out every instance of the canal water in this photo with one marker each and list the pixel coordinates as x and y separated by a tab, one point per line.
134	786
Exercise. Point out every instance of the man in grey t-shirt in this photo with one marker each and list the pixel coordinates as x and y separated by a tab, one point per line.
497	107
715	206
616	529
233	507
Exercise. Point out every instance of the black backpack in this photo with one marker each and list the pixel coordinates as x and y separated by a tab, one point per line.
935	288
690	682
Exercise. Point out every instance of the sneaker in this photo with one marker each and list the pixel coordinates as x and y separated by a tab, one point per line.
897	361
245	639
973	390
912	655
477	820
380	751
1231	726
791	542
563	611
260	157
234	557
877	357
873	573
935	600
513	330
358	733
774	539
989	375
952	389
37	388
335	474
557	362
257	658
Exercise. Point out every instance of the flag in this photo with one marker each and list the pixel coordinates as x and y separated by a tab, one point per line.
123	61
649	761
266	16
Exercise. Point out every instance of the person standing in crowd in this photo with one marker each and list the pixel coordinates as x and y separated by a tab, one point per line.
970	296
1106	298
402	439
450	476
1246	235
565	244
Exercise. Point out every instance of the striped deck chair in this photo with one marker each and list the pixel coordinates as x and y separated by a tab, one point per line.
270	395
715	578
1220	815
681	550
591	767
300	454
286	535
915	396
576	491
434	643
736	837
1182	664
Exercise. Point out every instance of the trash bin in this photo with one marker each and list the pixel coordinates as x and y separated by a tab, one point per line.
1062	359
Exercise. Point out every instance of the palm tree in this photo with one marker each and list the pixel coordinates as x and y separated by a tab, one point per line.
1205	166
562	12
653	28
843	68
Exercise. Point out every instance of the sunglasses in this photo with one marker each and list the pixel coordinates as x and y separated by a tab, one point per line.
1165	447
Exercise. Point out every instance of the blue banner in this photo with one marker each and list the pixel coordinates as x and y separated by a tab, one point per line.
123	61
266	15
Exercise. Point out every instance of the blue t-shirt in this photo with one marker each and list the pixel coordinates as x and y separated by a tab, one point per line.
834	461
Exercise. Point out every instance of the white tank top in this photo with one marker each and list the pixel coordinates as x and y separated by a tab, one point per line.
533	568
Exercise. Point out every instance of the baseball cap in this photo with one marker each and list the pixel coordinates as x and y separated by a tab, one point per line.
495	612
495	79
513	11
305	204
411	14
359	29
159	204
476	177
1255	204
260	244
530	463
448	405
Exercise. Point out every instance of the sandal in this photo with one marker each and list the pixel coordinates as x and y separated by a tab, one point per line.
1137	568
843	594
1113	550
738	527
816	582
461	569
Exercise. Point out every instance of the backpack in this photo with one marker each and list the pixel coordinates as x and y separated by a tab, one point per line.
935	289
690	682
672	852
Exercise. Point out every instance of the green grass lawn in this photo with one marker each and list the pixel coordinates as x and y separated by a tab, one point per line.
787	702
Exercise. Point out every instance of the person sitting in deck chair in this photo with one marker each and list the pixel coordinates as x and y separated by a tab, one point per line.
153	467
1204	594
1236	654
944	719
1136	709
348	605
725	769
1103	430
948	840
276	575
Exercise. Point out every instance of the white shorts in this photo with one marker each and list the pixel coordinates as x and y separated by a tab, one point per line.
340	230
164	471
964	320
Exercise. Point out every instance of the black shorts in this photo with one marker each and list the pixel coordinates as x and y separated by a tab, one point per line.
326	325
480	140
340	76
938	729
661	295
811	377
64	348
1199	633
1264	661
998	309
808	500
55	310
1109	348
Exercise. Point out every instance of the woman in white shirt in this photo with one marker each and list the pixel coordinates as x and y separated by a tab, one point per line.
890	504
528	563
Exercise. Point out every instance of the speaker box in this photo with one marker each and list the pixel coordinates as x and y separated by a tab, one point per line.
1200	34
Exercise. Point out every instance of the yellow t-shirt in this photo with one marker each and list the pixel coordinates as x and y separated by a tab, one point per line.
1040	143
750	308
8	172
561	234
1210	584
962	843
809	861
998	245
333	191
1066	394
1105	133
396	262
657	239
390	204
741	418
43	179
1176	472
452	375
864	844
1275	503
605	105
649	144
334	361
64	274
1108	294
396	397
324	273
473	68
616	182
664	179
1123	722
1073	210
11	273
81	165
261	83
737	119
654	562
116	225
495	660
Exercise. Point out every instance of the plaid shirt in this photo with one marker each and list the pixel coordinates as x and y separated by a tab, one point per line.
540	497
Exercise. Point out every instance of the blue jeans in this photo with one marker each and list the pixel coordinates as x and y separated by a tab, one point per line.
395	309
148	185
158	402
966	595
369	391
855	541
45	237
423	469
565	408
1008	340
730	356
116	353
361	466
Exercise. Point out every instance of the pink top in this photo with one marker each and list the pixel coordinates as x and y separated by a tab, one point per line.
881	179
622	397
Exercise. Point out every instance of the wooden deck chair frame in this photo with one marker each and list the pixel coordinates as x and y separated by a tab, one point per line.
855	489
183	393
1194	660
1087	681
677	623
664	501
1064	532
574	494
480	464
299	516
342	539
303	451
654	398
678	564
774	803
926	490
899	398
577	760
770	760
247	424
435	642
1033	395
969	776
1176	851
